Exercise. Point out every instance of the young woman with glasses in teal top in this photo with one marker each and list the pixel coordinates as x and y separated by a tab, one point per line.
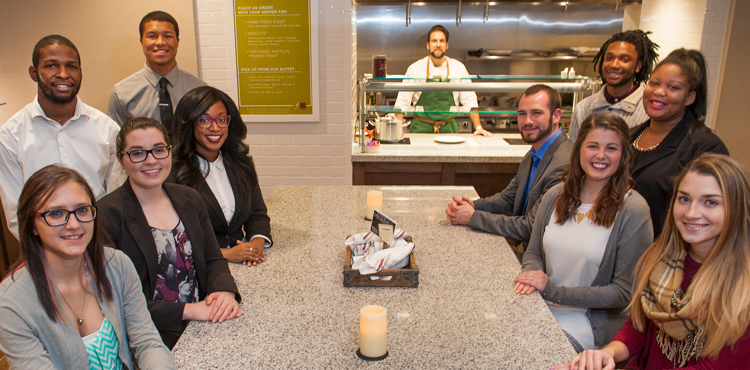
71	303
165	230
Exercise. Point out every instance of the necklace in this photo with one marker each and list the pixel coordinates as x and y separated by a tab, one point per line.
638	139
83	308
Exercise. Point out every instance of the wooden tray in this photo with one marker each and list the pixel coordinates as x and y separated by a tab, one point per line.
405	277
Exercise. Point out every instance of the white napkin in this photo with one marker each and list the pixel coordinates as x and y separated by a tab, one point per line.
358	242
395	257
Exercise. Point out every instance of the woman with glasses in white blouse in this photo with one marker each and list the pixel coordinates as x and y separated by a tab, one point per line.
210	156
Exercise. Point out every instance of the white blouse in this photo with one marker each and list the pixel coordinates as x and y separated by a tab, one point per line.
573	253
218	180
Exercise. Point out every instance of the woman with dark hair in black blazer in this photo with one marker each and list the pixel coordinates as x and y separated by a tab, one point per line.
164	229
211	157
675	97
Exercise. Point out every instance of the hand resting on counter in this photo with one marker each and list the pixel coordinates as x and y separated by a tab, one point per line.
217	307
482	132
459	211
598	359
249	253
530	281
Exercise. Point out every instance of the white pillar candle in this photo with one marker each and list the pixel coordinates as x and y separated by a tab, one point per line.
374	200
373	330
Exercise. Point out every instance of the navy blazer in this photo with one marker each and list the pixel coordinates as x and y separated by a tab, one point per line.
654	171
250	217
128	229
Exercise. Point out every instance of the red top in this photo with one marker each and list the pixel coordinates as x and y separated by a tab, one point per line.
647	353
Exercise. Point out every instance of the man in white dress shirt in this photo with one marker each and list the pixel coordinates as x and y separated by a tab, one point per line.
56	128
438	66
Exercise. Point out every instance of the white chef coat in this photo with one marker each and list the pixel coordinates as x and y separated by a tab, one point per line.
418	70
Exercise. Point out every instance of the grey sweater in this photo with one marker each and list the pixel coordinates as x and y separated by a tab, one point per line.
630	109
31	340
610	292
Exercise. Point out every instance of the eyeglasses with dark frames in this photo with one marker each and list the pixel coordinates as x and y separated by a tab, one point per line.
140	155
59	216
205	120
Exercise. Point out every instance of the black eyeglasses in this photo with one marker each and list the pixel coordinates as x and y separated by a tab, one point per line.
139	155
59	216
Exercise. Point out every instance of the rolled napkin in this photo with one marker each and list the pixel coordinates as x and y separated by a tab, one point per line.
395	257
358	242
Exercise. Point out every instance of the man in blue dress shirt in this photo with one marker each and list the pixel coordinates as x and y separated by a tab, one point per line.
510	212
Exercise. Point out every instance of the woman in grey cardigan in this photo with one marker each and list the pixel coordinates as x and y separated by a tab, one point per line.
70	303
588	235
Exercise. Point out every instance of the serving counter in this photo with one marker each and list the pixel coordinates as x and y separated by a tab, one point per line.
486	163
297	314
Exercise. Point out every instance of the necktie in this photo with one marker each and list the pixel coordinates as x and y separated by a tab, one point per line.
165	105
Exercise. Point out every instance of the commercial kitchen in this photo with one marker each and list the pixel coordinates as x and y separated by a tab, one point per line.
306	169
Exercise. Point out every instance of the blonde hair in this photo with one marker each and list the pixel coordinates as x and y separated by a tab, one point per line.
722	283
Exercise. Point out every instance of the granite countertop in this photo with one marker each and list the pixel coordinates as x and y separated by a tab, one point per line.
423	148
297	314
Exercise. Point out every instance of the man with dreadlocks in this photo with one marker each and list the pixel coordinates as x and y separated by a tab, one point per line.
623	61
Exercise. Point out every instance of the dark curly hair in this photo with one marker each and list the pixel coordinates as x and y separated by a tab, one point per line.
645	48
236	153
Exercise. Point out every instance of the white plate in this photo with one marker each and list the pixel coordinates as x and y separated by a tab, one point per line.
449	139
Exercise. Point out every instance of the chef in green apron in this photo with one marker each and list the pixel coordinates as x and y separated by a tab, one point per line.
435	115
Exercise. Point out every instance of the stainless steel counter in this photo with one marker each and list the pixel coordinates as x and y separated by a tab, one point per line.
464	314
424	148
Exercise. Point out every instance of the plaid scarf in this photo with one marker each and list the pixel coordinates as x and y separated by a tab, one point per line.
664	303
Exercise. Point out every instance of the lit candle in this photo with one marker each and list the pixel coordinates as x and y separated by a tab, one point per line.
374	200
373	330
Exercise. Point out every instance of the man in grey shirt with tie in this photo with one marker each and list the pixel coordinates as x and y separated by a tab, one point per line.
156	89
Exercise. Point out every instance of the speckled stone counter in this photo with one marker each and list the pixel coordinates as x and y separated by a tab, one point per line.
423	148
298	315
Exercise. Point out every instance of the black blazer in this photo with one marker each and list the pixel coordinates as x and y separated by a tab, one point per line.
128	229
250	216
654	171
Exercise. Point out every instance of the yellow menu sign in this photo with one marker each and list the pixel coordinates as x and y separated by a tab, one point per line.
274	57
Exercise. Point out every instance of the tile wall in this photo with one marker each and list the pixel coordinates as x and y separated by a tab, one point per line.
712	46
692	24
316	153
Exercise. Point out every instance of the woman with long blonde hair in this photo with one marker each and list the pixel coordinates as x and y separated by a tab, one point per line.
692	308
